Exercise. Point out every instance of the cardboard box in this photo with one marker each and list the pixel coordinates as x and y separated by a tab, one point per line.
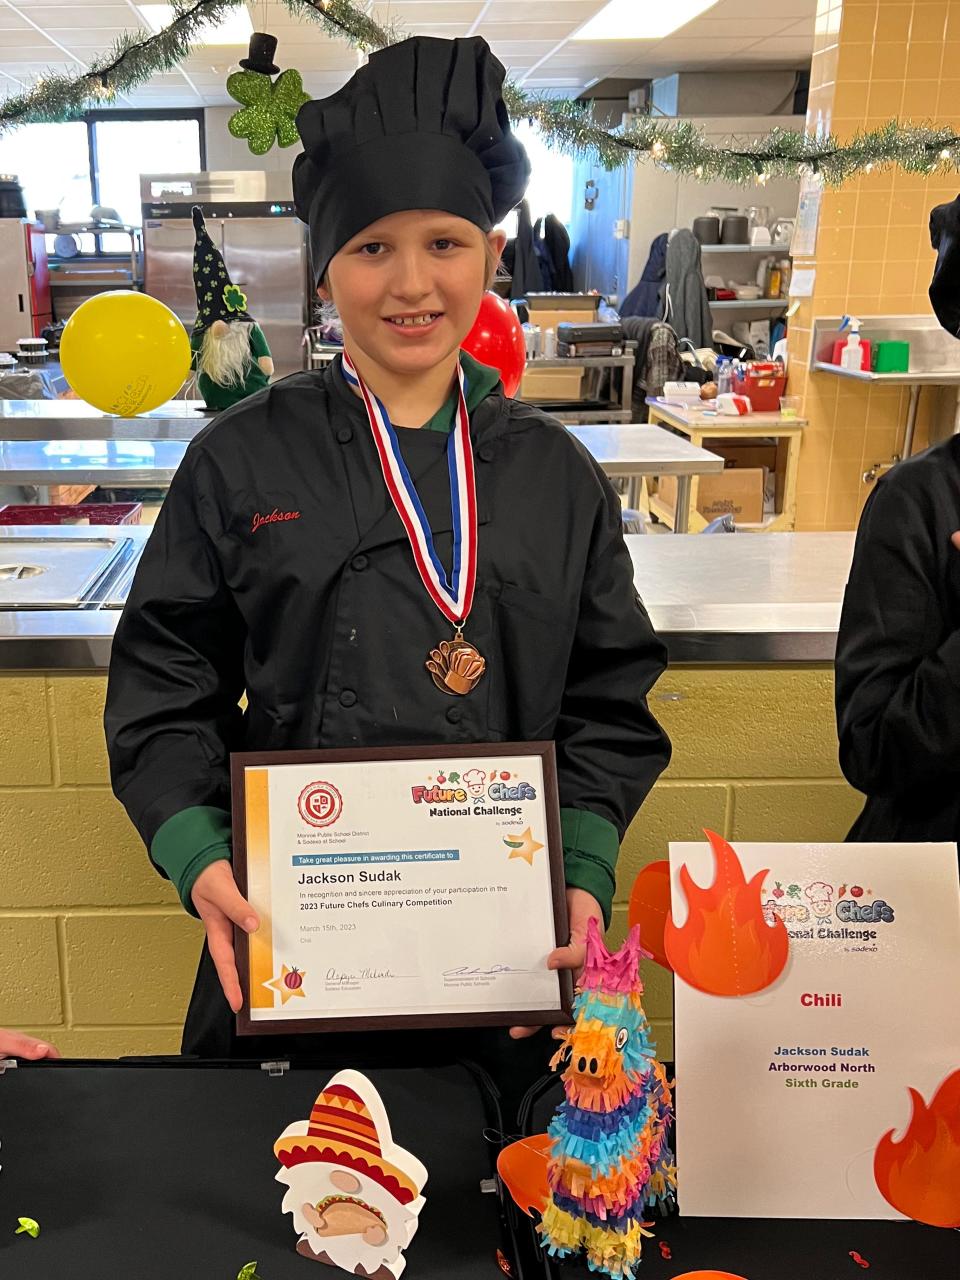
61	494
737	491
550	384
548	317
755	453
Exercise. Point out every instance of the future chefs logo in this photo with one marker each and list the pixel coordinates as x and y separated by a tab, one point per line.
320	804
473	786
824	911
479	794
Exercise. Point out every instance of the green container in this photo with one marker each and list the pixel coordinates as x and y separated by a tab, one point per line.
892	357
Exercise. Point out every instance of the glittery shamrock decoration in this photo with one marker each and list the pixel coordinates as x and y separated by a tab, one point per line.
234	298
29	1227
269	109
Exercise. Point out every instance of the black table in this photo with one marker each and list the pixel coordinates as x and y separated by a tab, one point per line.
165	1171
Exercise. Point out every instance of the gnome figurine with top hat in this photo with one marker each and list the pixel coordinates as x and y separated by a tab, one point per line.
230	352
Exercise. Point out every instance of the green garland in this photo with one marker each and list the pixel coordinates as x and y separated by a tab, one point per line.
566	124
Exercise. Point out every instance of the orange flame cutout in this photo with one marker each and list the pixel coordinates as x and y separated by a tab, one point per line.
726	947
920	1174
650	907
523	1169
709	1275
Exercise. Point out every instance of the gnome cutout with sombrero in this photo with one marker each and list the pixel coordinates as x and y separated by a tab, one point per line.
230	353
353	1193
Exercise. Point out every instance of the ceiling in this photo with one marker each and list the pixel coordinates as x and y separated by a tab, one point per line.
531	37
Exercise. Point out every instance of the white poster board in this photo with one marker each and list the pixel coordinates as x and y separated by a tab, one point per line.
782	1096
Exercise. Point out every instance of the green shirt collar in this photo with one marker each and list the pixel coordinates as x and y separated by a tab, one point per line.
479	381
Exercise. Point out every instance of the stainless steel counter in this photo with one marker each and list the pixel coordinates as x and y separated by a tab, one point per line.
741	598
716	600
77	420
130	464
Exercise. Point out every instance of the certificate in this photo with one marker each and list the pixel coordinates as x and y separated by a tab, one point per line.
418	886
786	1094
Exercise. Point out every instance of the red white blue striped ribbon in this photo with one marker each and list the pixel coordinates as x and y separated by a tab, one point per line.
453	596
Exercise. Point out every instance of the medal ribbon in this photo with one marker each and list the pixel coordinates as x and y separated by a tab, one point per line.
453	596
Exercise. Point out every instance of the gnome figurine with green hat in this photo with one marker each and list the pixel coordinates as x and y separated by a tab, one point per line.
230	353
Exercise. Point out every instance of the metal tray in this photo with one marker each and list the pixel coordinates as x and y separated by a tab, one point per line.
55	573
115	596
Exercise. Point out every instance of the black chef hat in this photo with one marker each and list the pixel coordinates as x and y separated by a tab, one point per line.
422	126
218	298
945	285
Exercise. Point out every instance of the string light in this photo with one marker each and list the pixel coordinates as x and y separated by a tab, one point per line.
567	124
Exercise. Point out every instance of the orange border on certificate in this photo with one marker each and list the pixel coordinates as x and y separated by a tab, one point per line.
258	885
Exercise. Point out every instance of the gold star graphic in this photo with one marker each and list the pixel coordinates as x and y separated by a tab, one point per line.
289	983
522	846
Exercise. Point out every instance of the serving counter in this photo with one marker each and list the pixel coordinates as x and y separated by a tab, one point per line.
77	420
96	953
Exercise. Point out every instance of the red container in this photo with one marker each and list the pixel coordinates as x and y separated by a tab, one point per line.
763	382
73	513
840	343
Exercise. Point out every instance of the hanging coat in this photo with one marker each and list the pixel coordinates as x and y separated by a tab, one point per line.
553	247
279	567
898	654
523	259
687	309
646	297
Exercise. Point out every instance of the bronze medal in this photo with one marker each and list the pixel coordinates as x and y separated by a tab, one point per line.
456	666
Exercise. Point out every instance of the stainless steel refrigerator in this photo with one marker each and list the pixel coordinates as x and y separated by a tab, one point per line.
250	218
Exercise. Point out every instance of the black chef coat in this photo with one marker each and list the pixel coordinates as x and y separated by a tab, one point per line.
318	613
898	654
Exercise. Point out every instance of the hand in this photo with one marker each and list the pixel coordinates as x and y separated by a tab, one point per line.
956	539
581	908
220	906
15	1045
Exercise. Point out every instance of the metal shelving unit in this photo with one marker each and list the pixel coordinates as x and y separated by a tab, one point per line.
754	304
75	271
572	415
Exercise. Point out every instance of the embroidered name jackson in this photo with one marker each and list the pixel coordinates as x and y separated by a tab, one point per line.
273	518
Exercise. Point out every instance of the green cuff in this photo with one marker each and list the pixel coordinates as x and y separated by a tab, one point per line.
188	843
591	846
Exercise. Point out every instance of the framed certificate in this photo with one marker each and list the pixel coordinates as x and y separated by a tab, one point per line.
400	886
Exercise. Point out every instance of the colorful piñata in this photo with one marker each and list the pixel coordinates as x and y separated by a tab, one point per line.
610	1159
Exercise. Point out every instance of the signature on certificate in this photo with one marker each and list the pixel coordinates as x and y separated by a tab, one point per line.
464	971
340	976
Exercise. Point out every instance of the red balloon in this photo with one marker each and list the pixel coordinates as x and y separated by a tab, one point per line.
496	339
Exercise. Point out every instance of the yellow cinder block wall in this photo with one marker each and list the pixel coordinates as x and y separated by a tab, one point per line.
97	955
873	61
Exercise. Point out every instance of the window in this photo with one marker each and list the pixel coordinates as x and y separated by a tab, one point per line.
52	162
74	166
551	179
120	147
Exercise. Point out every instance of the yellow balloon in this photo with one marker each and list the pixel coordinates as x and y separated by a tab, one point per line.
124	352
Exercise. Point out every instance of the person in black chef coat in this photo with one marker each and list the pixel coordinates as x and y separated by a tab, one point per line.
280	565
898	654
